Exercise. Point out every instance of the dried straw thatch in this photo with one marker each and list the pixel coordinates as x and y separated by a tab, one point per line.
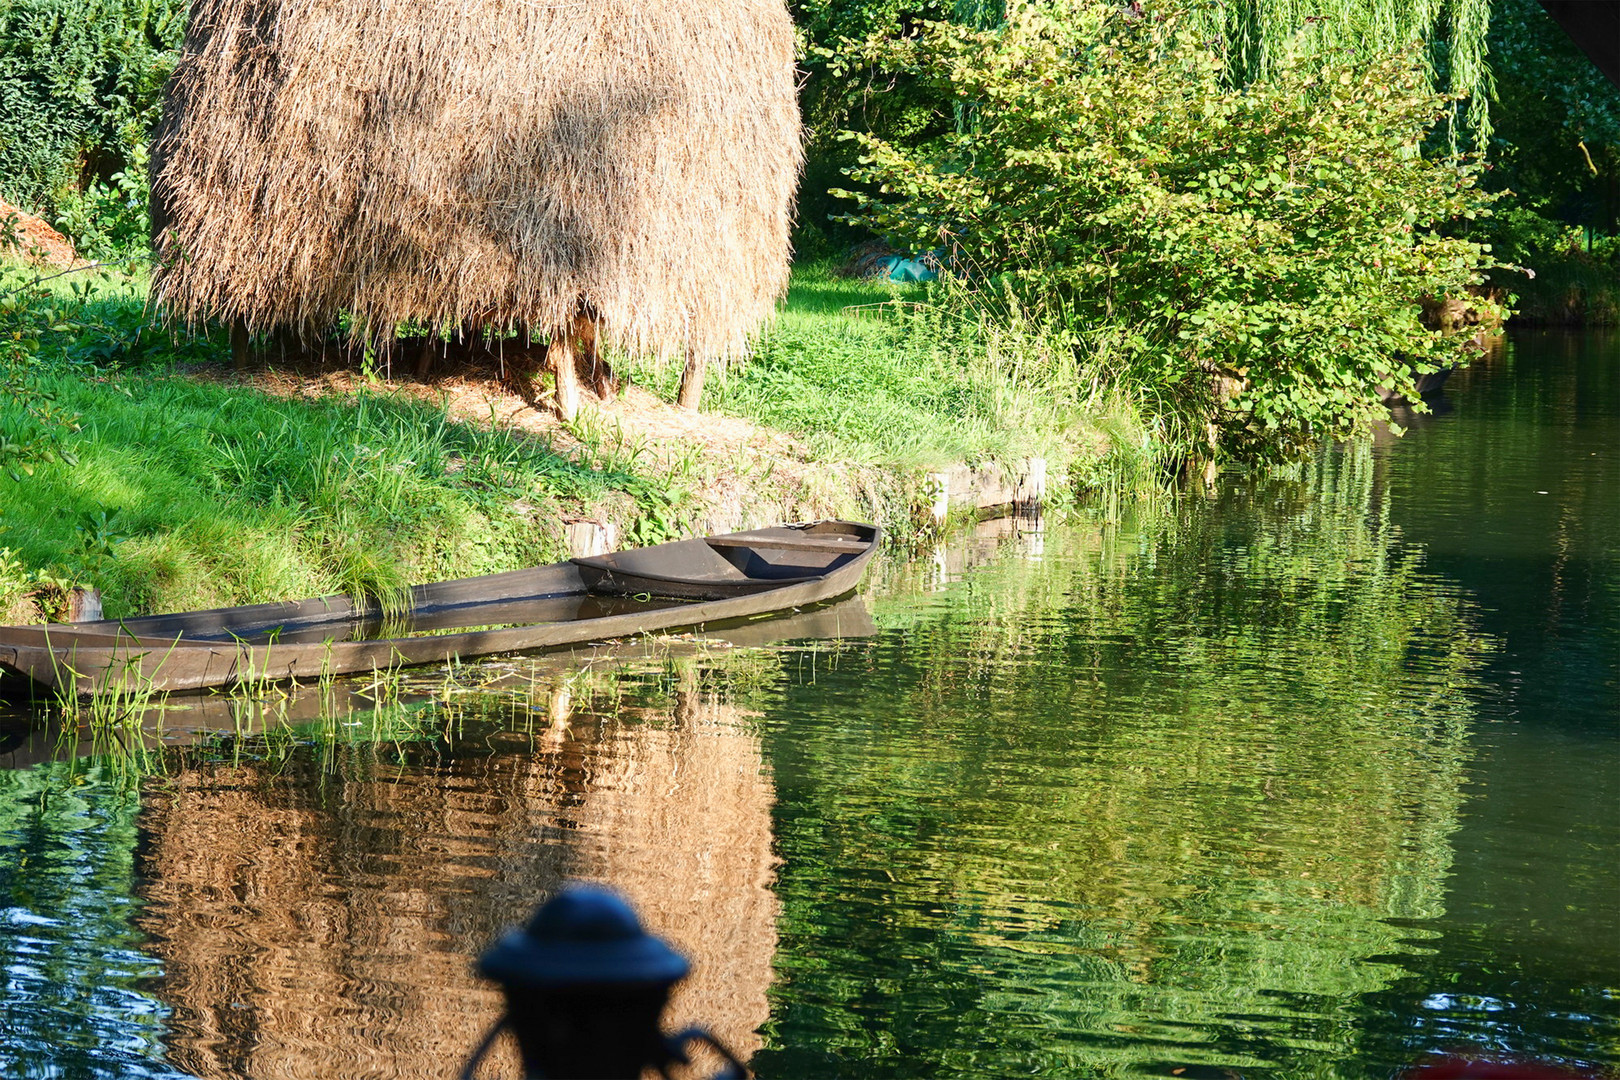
506	163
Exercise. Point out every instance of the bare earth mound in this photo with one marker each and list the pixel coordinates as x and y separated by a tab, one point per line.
35	240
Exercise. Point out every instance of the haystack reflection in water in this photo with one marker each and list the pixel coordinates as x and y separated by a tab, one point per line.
318	916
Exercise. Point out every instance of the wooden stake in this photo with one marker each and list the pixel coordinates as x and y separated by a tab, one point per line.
595	370
241	344
560	359
692	381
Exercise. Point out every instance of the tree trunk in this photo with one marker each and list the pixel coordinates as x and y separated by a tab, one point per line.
692	381
560	359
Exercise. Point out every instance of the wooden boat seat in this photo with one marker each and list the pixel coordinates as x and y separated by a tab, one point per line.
789	543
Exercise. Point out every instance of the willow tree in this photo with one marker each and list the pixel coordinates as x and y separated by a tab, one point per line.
1256	36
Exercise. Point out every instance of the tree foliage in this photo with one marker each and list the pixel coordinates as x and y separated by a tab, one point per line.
1253	256
1557	144
1556	157
840	91
32	423
844	89
1259	39
81	84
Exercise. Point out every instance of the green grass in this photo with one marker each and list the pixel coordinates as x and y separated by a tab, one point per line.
190	494
184	492
875	373
180	491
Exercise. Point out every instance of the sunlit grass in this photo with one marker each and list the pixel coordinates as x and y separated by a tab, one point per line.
852	369
877	373
187	492
885	374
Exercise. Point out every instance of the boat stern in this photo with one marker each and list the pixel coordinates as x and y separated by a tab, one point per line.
25	662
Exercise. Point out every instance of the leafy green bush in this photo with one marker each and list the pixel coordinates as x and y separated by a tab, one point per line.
842	89
110	219
1252	258
81	85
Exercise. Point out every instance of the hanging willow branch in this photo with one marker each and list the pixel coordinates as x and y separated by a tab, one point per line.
1254	36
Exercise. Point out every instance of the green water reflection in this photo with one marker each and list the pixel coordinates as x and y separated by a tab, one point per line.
1310	776
1516	498
1168	795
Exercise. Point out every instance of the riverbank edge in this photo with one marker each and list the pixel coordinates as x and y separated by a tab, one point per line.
911	503
692	473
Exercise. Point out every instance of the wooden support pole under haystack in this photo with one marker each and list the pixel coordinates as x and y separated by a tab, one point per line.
426	355
560	360
575	360
691	392
241	343
595	370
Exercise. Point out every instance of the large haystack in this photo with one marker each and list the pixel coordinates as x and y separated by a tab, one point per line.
506	163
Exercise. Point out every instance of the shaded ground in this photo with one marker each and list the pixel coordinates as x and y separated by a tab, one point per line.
736	471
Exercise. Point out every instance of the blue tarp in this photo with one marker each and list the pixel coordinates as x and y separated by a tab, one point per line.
907	270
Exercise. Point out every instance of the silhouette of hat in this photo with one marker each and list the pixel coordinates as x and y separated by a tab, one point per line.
586	935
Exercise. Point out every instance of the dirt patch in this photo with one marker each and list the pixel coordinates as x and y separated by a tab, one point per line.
35	240
20	611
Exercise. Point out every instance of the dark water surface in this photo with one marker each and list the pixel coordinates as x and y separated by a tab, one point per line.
1307	775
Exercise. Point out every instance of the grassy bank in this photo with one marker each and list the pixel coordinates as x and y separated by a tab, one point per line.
1574	289
871	373
186	492
186	485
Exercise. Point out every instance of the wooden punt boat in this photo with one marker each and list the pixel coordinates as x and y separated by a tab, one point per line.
687	583
188	718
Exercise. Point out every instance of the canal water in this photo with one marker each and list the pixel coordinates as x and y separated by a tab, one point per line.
1311	773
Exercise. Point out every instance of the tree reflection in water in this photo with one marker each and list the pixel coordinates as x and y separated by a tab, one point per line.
1174	794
